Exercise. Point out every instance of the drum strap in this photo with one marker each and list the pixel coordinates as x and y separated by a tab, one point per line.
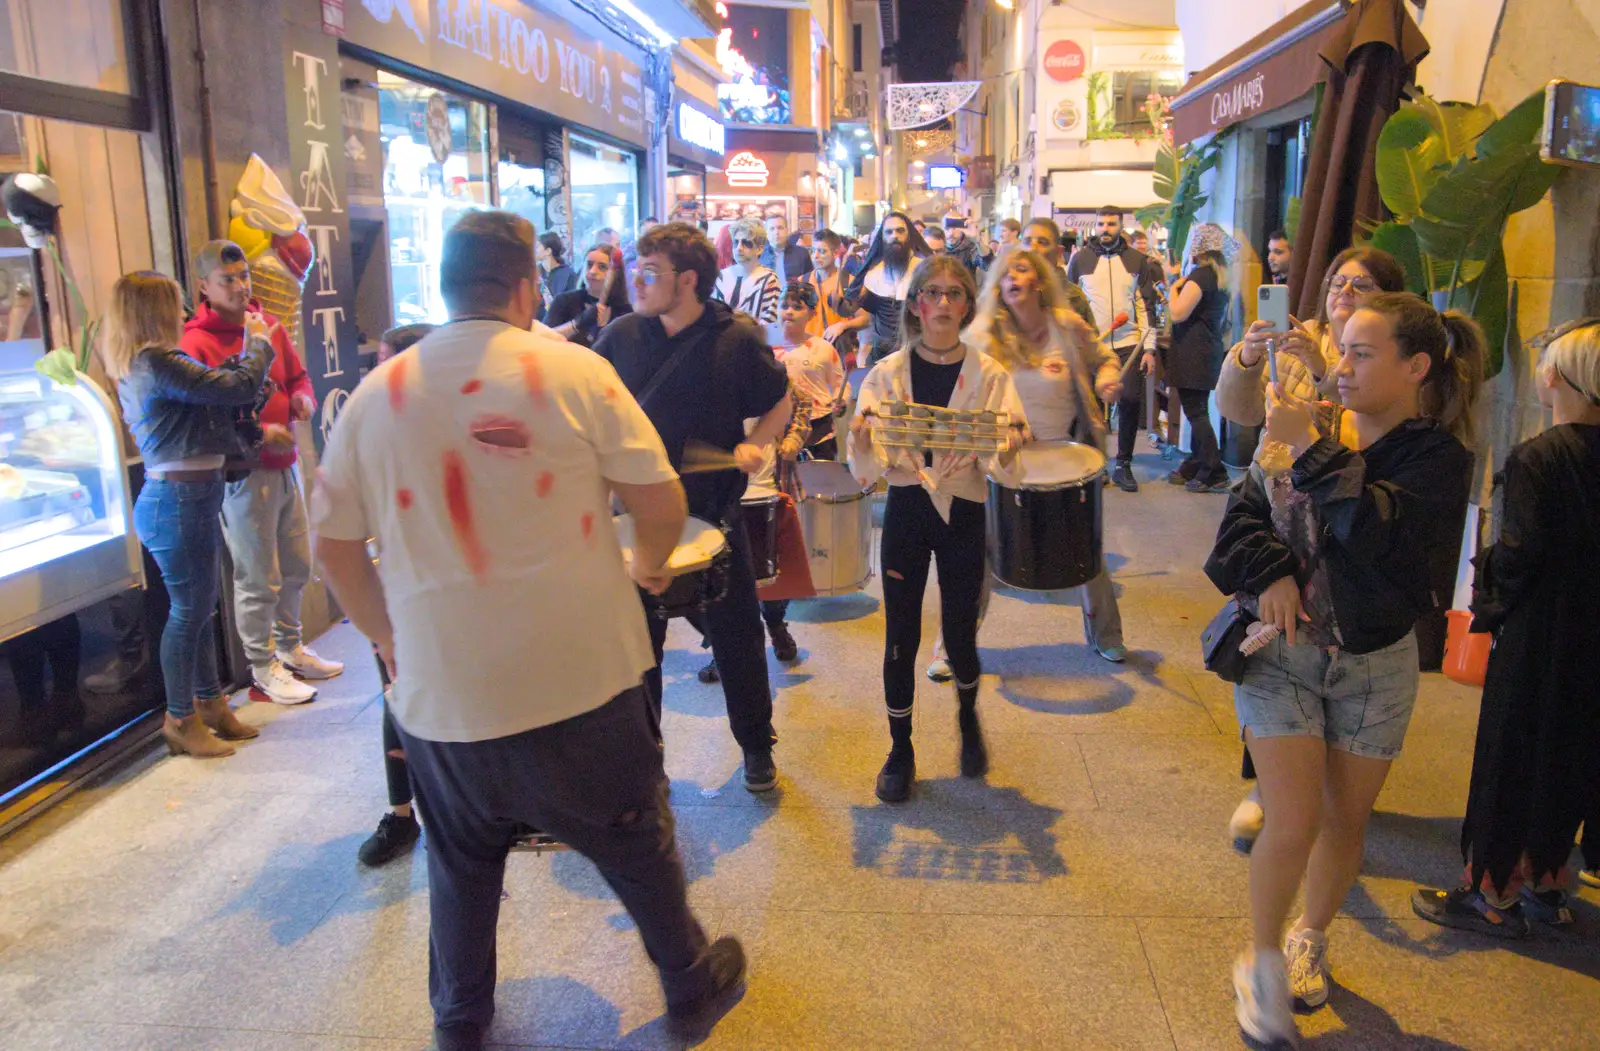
670	366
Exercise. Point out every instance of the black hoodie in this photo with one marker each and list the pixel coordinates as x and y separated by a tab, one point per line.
728	375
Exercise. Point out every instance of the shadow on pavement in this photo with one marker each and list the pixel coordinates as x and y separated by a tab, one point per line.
278	895
960	829
554	1011
1039	678
1366	1026
705	833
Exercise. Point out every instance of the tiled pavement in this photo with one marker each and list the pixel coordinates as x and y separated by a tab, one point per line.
1084	897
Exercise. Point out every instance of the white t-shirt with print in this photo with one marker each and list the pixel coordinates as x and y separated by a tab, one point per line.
815	369
479	460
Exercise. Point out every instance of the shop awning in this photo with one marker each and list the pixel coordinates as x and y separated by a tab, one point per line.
1270	70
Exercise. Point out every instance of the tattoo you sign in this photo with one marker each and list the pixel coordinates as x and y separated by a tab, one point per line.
318	185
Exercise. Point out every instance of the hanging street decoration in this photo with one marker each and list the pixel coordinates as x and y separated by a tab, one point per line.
918	105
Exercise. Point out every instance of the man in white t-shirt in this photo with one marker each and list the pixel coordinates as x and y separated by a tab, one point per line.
484	461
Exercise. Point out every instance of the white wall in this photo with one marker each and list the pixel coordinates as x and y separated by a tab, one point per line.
1212	28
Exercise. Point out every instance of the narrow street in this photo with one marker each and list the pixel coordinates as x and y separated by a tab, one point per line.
1086	896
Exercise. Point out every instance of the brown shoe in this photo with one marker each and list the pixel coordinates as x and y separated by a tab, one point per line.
219	717
191	737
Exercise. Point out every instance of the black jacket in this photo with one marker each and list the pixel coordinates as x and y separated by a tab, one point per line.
579	305
796	261
178	408
1383	511
727	375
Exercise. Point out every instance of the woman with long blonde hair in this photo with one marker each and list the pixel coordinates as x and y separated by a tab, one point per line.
181	414
1064	376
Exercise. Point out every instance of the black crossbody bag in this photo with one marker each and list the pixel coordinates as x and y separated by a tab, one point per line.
1221	639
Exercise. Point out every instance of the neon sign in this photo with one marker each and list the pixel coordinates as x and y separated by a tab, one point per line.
747	170
697	129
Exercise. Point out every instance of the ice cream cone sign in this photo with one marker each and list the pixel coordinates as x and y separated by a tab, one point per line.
271	229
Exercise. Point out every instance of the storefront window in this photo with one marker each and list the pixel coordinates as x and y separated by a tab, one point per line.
78	42
605	191
435	167
1130	98
521	172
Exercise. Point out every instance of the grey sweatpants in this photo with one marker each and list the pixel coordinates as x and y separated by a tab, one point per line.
264	521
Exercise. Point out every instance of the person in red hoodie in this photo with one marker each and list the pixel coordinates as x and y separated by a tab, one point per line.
264	514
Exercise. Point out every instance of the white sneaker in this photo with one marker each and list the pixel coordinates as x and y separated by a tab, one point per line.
939	671
1247	820
1261	990
276	685
305	663
1307	951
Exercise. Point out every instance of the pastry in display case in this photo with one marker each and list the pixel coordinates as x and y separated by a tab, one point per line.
66	537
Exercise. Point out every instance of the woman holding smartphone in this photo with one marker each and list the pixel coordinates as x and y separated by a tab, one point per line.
1333	553
1306	355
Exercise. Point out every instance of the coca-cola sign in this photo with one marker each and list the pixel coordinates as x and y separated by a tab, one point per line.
1064	61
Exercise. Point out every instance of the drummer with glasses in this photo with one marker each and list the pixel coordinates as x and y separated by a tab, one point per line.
1064	375
935	509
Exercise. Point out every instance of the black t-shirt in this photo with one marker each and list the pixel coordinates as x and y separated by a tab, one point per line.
579	305
1195	358
729	376
932	385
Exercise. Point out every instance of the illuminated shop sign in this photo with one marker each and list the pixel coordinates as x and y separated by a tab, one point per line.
746	170
697	129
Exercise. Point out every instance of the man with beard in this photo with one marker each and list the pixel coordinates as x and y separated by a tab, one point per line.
749	286
1121	286
880	289
699	371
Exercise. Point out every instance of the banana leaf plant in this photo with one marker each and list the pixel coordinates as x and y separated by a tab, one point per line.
1177	176
1452	174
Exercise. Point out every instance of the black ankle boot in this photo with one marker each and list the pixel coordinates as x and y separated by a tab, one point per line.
894	780
974	754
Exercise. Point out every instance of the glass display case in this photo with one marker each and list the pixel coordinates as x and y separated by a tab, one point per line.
66	537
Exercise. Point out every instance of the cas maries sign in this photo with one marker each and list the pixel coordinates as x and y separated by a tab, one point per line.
1238	101
746	170
1064	61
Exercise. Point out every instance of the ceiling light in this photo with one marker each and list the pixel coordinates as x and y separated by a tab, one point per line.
862	132
919	164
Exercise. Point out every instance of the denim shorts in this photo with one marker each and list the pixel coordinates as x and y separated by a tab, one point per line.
1358	703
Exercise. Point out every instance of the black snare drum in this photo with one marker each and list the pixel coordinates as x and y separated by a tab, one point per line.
1046	535
759	510
698	567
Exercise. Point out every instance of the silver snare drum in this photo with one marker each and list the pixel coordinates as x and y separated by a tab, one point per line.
836	521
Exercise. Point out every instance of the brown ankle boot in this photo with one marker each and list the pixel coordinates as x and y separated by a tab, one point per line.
190	736
219	717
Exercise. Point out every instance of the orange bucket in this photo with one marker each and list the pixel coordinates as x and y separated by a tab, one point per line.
1466	652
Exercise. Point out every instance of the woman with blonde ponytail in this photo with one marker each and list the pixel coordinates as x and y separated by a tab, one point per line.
1331	558
1533	770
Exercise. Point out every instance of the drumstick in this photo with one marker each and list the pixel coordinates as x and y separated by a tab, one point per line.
700	457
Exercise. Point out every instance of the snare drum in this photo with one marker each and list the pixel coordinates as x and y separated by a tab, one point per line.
1046	535
759	509
836	521
698	567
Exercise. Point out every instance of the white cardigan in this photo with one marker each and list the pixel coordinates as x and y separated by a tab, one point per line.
983	384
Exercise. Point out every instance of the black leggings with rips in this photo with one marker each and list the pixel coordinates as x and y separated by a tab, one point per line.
913	533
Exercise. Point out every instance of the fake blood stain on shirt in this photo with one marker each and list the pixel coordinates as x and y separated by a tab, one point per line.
397	383
459	505
533	379
402	499
545	483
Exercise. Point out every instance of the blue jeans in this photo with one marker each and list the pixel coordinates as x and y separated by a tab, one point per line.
179	524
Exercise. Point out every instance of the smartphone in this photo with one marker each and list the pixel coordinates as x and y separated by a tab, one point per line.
1272	306
1571	124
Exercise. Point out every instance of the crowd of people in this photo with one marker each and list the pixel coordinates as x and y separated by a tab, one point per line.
486	457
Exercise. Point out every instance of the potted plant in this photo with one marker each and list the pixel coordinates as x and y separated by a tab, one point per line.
1452	173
